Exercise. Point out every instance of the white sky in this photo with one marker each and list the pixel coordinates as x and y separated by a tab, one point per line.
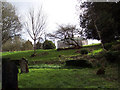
57	12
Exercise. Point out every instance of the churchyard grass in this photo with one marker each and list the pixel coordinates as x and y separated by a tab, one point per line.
92	45
52	75
95	51
66	78
53	55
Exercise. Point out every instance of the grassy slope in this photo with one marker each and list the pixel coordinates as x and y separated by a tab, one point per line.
52	53
51	56
51	76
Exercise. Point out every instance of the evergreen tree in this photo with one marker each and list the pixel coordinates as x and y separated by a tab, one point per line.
48	45
101	20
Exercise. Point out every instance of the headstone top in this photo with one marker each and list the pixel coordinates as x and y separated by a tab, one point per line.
24	59
24	65
9	75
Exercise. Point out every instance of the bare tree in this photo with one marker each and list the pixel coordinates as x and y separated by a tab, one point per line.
35	25
67	34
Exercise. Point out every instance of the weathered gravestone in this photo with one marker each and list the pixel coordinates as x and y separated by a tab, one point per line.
24	65
9	75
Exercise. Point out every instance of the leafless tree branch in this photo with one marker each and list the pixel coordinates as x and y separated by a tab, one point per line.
35	25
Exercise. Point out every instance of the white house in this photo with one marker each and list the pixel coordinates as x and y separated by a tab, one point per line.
80	40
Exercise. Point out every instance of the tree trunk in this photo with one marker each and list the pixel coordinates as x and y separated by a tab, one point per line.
77	43
34	46
98	32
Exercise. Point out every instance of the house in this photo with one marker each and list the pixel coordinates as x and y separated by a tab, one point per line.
80	40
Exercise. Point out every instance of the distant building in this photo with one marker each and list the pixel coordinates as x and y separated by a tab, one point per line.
80	40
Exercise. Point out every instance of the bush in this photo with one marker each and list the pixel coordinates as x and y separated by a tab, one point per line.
116	47
112	56
79	63
48	45
39	45
108	46
69	48
27	45
59	49
84	51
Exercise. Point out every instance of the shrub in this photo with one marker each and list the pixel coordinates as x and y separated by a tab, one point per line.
112	56
13	44
84	51
69	48
27	45
59	49
48	45
39	45
116	47
79	63
108	46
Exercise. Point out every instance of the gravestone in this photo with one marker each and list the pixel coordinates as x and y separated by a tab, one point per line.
24	65
9	75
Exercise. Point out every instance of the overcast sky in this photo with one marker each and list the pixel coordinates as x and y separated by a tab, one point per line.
57	12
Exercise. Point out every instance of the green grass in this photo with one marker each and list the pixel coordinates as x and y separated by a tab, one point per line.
92	45
53	55
95	51
57	76
64	78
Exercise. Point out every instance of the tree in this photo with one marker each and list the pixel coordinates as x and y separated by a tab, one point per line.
98	21
48	45
11	25
39	45
35	25
66	33
27	45
7	46
17	43
13	44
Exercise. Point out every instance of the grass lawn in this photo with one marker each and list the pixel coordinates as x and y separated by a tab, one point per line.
54	75
65	78
51	55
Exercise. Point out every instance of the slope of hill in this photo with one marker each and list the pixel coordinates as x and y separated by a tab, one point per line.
47	71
